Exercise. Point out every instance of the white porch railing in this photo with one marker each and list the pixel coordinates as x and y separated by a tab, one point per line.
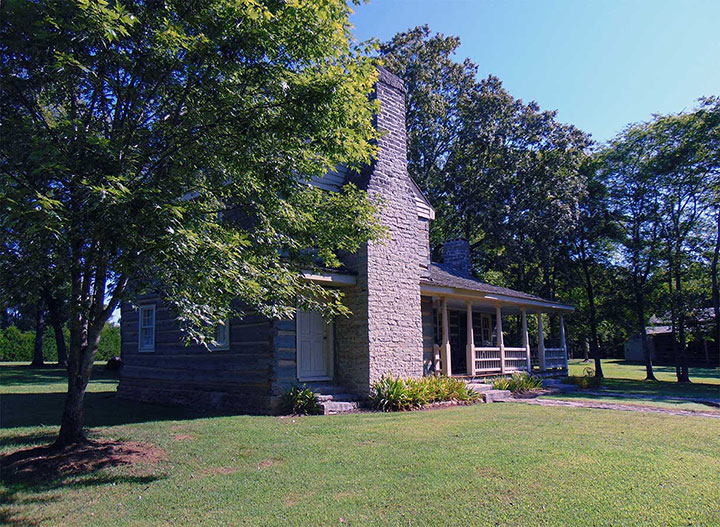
554	358
501	359
488	360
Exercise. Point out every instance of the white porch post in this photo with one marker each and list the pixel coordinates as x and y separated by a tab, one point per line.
500	340
470	341
525	339
541	341
447	370
563	344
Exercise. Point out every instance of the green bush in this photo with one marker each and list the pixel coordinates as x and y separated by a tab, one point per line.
301	400
518	382
586	382
391	394
18	346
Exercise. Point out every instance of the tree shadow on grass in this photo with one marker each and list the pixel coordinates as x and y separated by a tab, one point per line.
101	409
662	388
26	375
29	474
26	440
697	372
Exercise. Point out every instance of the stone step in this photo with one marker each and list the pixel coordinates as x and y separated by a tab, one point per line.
496	396
338	407
479	386
322	397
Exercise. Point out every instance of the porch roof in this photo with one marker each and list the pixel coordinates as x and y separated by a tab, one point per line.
442	276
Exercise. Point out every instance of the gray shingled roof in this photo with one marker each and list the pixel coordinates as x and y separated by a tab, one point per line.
444	276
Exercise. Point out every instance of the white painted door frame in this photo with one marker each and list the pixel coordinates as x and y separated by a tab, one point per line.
314	344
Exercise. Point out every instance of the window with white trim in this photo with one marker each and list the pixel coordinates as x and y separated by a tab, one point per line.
221	339
146	328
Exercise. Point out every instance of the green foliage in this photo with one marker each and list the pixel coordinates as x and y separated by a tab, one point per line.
124	166
109	346
16	345
588	380
391	394
301	400
501	173
518	382
157	142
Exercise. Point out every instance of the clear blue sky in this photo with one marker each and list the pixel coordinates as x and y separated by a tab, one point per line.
601	63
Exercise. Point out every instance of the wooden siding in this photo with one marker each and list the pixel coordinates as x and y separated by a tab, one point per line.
235	379
331	181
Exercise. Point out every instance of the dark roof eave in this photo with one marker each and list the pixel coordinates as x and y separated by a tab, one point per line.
442	277
518	300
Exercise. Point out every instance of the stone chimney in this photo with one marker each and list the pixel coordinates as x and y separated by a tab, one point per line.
384	334
456	255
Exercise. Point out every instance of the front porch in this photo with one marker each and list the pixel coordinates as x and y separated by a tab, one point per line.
481	336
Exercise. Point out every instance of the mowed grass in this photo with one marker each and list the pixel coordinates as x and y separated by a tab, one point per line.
496	464
629	377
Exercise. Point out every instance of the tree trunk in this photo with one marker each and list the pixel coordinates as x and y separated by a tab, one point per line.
684	371
590	290
83	347
85	328
73	418
640	301
673	315
57	324
707	351
60	343
715	287
38	358
79	362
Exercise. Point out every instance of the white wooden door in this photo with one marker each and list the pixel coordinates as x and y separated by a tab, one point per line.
314	347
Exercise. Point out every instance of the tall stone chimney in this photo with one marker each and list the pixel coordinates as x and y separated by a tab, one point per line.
384	334
456	255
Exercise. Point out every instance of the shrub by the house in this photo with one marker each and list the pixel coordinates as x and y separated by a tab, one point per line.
518	382
390	394
585	382
301	400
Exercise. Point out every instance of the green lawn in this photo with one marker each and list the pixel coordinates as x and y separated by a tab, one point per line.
497	464
628	377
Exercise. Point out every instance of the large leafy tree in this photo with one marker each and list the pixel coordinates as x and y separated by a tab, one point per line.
591	245
636	204
664	175
437	88
685	159
501	173
167	145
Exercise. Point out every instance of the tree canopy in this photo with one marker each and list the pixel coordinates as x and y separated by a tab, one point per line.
626	231
167	145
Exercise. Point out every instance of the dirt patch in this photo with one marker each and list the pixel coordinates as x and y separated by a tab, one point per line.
625	407
291	499
183	437
267	463
48	463
339	496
